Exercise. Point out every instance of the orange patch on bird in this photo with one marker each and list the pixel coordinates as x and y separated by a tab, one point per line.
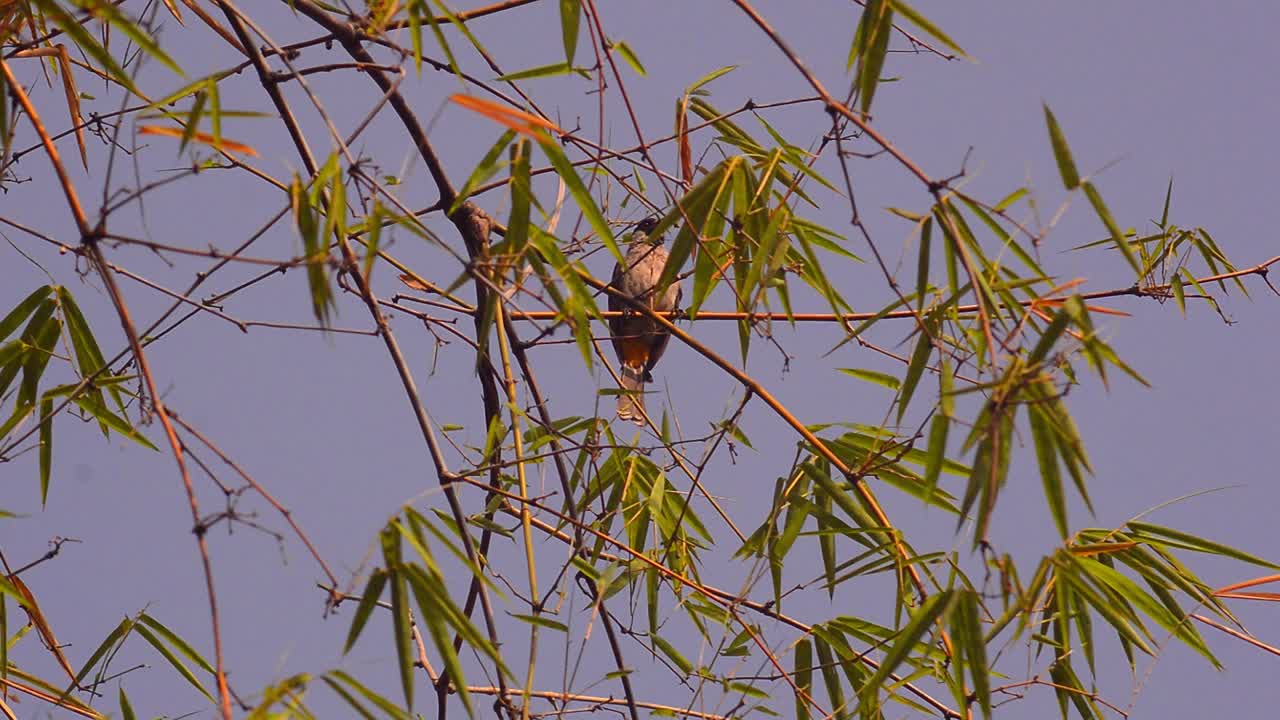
635	353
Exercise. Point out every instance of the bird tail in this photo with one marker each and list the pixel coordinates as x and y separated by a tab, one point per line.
631	401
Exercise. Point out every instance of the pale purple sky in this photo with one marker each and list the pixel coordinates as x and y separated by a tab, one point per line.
1150	89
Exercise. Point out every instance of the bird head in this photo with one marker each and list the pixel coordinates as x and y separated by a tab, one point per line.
644	228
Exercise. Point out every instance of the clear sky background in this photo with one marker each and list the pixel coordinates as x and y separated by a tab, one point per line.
1144	90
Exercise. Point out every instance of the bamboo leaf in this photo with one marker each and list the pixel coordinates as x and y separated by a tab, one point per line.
872	376
926	25
803	671
400	623
368	600
629	56
173	660
920	623
1061	152
586	204
669	650
570	17
46	449
541	71
919	359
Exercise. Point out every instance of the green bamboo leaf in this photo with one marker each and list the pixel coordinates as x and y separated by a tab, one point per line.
938	428
368	600
922	262
915	369
400	623
1047	457
126	710
110	13
1117	236
541	71
872	59
830	678
1178	625
1179	539
705	79
489	165
440	38
696	206
174	661
803	672
177	642
921	622
334	677
521	200
113	639
541	621
111	420
1061	152
46	448
315	248
712	251
629	56
972	646
89	357
926	25
570	17
672	654
1178	293
434	607
41	336
872	376
23	310
85	41
586	204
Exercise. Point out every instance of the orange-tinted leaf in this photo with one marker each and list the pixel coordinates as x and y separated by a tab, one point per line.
202	138
517	120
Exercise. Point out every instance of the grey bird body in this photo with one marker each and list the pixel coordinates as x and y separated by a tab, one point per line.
637	340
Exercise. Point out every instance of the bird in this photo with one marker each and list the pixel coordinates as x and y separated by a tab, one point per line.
639	341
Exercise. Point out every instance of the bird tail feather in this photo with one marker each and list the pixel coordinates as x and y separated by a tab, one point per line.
631	402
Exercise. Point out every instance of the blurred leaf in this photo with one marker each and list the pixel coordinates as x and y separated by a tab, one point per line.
915	368
86	42
672	654
803	672
705	79
95	408
334	677
541	621
871	376
629	56
46	449
570	17
1061	153
876	26
200	137
552	70
126	709
926	25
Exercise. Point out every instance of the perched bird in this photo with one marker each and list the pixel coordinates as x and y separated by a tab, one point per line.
638	341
